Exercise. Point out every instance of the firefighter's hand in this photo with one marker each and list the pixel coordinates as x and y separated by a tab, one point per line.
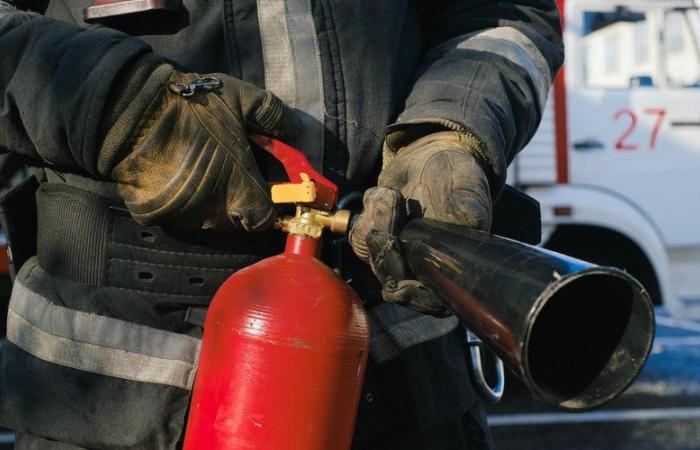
188	162
436	177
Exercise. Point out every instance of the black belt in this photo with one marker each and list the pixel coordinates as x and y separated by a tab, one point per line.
91	238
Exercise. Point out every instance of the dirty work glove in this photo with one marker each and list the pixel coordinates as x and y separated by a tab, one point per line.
437	177
186	159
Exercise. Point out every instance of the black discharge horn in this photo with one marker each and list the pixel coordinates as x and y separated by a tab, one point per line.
576	334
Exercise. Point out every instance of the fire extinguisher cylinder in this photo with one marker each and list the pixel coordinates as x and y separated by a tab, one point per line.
285	340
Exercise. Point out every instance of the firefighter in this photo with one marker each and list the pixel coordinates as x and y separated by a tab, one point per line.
148	192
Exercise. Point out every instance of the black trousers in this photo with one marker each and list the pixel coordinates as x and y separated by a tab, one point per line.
465	433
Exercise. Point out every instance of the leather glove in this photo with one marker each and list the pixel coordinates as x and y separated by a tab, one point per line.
437	177
188	161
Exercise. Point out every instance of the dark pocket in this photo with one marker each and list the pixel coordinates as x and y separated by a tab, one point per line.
429	382
476	429
86	409
423	389
87	379
377	412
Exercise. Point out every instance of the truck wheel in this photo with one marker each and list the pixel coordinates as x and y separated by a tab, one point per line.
609	248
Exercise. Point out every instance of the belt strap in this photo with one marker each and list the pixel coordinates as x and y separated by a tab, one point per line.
105	189
90	238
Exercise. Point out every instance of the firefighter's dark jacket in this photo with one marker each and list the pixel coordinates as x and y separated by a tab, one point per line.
101	348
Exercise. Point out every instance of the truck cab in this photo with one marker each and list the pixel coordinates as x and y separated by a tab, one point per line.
615	163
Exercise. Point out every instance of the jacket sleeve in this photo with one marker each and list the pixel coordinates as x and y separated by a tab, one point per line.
57	83
487	70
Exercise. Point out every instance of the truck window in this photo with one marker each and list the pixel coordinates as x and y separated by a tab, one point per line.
681	49
617	49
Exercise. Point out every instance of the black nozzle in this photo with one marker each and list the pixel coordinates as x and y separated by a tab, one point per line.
575	333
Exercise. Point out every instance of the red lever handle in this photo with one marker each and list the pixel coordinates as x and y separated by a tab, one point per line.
295	163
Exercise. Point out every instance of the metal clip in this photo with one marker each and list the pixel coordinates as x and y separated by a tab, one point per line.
187	90
487	393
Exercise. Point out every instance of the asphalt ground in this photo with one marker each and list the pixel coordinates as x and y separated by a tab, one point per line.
660	411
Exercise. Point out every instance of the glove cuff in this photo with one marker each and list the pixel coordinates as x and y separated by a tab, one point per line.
445	132
403	134
455	140
137	92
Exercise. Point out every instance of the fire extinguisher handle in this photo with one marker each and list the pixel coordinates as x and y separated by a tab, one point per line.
308	187
314	195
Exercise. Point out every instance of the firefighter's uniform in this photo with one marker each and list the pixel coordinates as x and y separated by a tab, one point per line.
104	323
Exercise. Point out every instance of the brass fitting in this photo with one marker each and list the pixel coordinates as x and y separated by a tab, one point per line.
310	222
307	221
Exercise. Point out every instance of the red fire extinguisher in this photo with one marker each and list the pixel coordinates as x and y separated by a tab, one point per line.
285	340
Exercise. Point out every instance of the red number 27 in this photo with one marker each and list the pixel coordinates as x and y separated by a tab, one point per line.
621	143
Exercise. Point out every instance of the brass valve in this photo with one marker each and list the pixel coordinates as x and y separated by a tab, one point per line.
311	222
307	221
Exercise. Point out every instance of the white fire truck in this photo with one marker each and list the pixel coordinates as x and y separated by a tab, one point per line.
615	163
